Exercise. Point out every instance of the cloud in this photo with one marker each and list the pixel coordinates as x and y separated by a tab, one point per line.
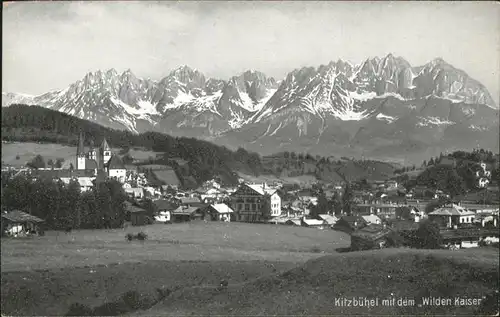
49	45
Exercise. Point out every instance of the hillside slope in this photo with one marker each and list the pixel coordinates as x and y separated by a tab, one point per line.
312	289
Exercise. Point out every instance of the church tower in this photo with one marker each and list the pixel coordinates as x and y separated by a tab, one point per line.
80	154
106	151
92	152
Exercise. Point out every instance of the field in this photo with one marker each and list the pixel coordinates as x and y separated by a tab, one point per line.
28	150
270	269
271	178
44	275
311	290
141	154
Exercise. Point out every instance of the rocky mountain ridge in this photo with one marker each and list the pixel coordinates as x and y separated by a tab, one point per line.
381	105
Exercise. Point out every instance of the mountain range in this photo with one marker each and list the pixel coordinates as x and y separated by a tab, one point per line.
382	108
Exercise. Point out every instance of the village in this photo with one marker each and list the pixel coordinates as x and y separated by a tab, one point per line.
377	208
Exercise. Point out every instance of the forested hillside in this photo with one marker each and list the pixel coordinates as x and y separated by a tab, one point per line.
456	173
205	160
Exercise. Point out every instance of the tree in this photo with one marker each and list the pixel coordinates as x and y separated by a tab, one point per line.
73	198
150	207
37	162
336	203
127	159
347	199
394	240
50	163
265	207
435	204
455	185
322	207
428	236
59	162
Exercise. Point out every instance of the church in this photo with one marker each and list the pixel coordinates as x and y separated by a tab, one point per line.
99	160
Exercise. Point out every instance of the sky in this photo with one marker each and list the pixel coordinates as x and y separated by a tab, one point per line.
49	45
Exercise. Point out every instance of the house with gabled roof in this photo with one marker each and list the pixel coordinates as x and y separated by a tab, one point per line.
350	223
17	222
248	200
220	212
116	169
452	215
370	237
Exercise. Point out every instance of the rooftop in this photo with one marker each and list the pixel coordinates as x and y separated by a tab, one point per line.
452	210
19	216
222	208
372	232
261	189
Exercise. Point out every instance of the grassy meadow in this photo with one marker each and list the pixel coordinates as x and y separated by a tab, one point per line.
311	289
19	153
45	275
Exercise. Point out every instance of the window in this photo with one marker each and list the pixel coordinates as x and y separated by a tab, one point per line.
254	207
240	206
247	206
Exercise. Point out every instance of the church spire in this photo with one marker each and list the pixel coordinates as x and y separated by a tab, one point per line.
105	146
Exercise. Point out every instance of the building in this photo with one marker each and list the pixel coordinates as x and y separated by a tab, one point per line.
409	213
293	222
372	219
220	212
350	223
249	199
135	192
312	223
190	202
372	236
483	175
467	238
137	215
86	183
452	215
185	214
328	219
98	159
16	223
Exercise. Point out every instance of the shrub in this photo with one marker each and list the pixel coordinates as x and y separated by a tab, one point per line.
428	236
129	237
111	309
163	293
133	300
394	240
142	236
77	309
315	249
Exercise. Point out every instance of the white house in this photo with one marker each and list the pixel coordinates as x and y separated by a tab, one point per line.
116	169
86	183
126	185
164	216
372	219
452	215
221	212
248	200
135	192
